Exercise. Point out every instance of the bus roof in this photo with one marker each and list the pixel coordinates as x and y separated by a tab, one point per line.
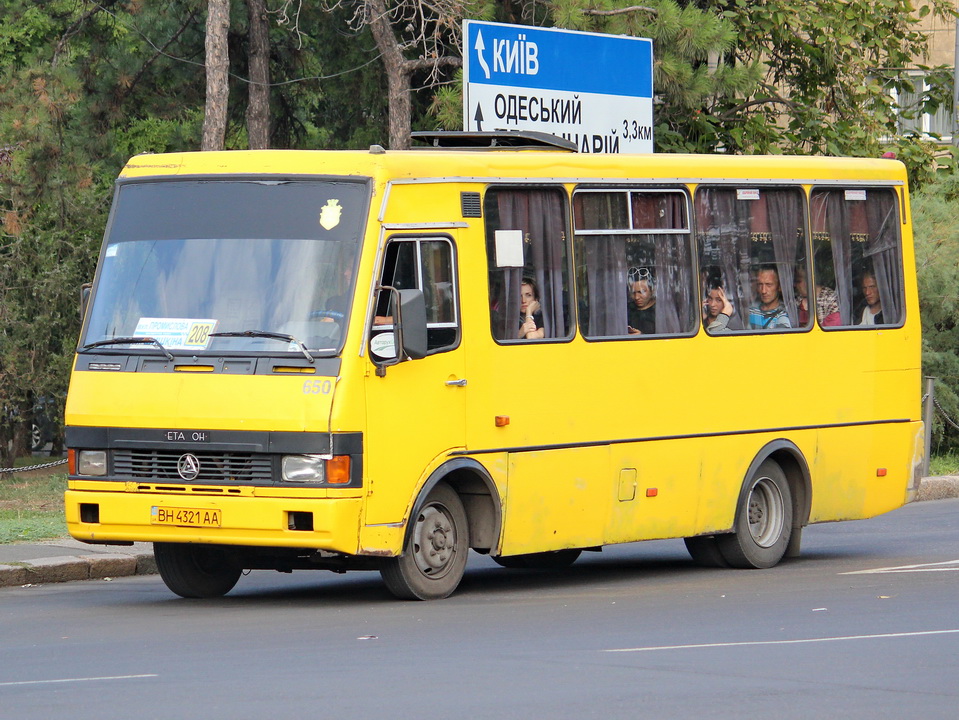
530	165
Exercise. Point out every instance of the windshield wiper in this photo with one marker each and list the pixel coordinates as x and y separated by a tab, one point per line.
131	341
265	334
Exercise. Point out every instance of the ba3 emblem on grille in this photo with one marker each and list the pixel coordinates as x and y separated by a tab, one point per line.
188	466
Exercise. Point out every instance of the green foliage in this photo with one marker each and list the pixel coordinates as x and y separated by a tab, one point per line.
944	464
31	507
936	230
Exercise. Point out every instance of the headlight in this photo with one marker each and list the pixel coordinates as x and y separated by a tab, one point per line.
92	462
304	468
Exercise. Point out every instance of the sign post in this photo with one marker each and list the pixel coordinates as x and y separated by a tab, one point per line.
595	90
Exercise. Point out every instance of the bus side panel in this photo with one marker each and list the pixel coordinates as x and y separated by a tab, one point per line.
862	471
557	499
656	490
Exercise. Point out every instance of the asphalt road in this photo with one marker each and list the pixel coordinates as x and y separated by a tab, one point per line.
637	631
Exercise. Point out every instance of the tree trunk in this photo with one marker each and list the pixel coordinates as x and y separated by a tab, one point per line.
217	77
397	76
258	105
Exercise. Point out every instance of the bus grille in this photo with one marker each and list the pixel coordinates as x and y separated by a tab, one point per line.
214	467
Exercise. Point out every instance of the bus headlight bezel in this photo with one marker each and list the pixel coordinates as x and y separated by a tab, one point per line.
304	468
92	463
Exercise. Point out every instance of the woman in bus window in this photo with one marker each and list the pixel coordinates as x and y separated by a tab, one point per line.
641	315
531	317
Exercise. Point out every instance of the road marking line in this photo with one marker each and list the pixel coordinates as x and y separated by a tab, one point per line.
923	567
73	680
783	642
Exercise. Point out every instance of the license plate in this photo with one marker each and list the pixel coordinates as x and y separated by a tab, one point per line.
186	517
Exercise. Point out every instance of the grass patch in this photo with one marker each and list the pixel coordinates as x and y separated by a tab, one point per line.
947	464
31	506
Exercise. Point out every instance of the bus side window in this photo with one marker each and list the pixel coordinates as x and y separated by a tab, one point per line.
539	216
856	232
425	264
634	262
752	244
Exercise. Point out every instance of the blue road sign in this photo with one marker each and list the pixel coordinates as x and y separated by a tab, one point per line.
594	89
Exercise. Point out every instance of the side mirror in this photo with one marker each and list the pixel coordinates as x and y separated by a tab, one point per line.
412	324
85	291
407	339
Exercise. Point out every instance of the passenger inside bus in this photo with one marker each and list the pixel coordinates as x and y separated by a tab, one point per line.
827	302
530	314
641	313
870	312
716	307
768	311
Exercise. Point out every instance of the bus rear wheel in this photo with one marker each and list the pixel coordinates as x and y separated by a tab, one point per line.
704	550
552	560
763	521
195	571
434	557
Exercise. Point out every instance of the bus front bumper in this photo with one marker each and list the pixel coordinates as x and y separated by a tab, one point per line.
98	516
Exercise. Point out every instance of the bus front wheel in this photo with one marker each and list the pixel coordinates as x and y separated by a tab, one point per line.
195	571
763	521
434	557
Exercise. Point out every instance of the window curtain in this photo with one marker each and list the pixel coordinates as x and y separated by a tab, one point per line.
882	252
830	216
724	241
785	216
539	215
606	278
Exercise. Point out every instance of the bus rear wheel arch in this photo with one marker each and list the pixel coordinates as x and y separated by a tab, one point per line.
435	551
764	520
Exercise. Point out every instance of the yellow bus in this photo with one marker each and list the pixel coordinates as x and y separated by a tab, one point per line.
379	360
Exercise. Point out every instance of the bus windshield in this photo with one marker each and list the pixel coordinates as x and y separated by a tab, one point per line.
229	265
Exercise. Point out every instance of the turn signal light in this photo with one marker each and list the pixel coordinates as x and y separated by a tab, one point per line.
338	470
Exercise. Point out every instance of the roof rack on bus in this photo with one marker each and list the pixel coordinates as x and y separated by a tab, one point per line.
497	139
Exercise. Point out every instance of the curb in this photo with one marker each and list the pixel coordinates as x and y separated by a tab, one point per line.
105	566
66	568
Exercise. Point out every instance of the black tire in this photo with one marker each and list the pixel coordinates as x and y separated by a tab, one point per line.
704	550
552	560
434	558
763	522
196	571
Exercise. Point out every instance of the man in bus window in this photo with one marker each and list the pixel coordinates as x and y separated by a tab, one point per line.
871	311
768	313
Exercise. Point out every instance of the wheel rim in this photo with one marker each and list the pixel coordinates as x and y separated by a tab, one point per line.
434	541
765	512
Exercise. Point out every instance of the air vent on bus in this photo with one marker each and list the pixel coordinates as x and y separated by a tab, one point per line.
470	202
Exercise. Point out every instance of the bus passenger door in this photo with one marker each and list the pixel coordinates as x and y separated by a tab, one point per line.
416	409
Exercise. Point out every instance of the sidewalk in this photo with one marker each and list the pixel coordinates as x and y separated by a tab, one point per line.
67	559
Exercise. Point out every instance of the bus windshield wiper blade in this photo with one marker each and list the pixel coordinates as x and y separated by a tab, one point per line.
265	334
131	341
